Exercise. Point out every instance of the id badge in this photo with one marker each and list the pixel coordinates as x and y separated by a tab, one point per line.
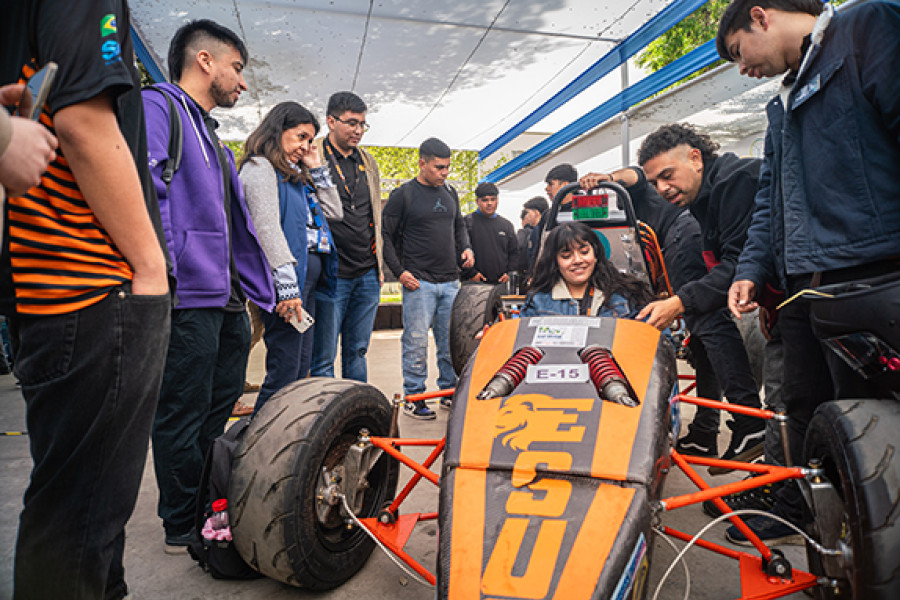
324	246
312	238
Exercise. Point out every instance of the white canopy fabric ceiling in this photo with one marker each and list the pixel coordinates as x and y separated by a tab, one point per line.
462	71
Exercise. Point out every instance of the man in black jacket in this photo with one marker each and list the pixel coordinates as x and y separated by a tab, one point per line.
685	169
532	212
678	234
493	239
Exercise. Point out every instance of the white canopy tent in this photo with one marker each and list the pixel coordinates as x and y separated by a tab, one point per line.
463	71
466	72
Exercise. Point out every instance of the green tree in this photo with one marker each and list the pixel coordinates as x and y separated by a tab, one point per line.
145	75
691	32
237	148
398	165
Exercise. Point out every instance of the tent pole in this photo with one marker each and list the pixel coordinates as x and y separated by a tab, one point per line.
625	125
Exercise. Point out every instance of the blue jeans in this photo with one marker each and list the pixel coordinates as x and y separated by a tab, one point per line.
90	379
350	315
428	306
204	377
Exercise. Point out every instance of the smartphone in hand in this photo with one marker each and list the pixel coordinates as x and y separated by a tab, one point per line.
302	321
36	91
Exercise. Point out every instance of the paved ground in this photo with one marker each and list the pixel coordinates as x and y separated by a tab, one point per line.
154	575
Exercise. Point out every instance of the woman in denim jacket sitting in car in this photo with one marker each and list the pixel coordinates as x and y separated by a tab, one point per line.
573	277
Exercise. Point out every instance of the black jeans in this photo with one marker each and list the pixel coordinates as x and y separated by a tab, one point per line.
204	377
289	353
727	355
90	381
812	375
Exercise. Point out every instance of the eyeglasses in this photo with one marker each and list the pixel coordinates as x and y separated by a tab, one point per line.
353	123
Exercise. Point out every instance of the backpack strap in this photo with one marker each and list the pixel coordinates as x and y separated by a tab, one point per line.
176	139
407	201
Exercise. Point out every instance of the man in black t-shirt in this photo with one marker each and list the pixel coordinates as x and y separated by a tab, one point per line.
90	356
423	234
357	237
493	239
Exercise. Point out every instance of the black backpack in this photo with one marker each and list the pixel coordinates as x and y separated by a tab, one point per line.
219	558
176	138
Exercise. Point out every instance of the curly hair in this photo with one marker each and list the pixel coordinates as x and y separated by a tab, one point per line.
673	135
605	277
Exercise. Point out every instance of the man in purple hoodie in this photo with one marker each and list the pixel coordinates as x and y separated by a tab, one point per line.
218	264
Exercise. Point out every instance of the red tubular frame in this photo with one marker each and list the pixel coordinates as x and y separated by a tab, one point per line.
755	584
394	535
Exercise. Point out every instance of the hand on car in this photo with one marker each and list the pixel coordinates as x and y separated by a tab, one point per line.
661	313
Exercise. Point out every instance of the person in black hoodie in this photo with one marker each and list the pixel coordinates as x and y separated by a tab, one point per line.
532	211
685	169
678	234
493	239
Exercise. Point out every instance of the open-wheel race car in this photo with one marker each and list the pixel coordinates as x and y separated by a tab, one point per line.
557	448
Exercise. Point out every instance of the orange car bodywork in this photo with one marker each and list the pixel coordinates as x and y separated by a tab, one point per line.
539	486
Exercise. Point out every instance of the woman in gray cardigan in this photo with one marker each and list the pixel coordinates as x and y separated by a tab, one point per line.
290	196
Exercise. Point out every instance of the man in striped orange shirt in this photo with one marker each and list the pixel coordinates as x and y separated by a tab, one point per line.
91	298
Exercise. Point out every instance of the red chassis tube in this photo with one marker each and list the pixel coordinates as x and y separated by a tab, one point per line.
755	583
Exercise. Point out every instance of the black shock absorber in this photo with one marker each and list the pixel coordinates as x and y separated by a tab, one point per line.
606	375
510	375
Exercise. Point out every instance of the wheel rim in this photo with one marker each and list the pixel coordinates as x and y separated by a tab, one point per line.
331	526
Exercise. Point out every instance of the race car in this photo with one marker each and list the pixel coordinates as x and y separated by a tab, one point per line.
557	448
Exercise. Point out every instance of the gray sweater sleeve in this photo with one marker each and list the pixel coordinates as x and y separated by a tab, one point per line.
261	190
327	194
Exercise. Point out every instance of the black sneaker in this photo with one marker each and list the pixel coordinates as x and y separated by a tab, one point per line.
761	498
446	402
178	544
418	410
698	443
772	532
746	443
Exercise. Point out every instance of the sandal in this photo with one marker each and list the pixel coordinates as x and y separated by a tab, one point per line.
241	410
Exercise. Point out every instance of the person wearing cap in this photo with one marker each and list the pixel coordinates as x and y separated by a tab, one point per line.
559	176
532	211
493	239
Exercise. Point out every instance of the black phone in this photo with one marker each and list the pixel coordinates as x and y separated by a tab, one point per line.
36	91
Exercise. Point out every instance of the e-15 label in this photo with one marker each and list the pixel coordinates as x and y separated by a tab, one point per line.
557	374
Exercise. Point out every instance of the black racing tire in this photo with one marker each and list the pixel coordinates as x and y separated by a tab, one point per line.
476	305
272	493
857	442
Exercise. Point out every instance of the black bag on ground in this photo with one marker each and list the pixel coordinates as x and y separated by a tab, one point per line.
219	558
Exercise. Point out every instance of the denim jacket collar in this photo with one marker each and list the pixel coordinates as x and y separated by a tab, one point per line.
560	291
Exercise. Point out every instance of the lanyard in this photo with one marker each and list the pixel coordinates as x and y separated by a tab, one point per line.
337	167
584	306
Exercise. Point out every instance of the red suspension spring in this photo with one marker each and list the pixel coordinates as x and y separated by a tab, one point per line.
606	375
511	374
